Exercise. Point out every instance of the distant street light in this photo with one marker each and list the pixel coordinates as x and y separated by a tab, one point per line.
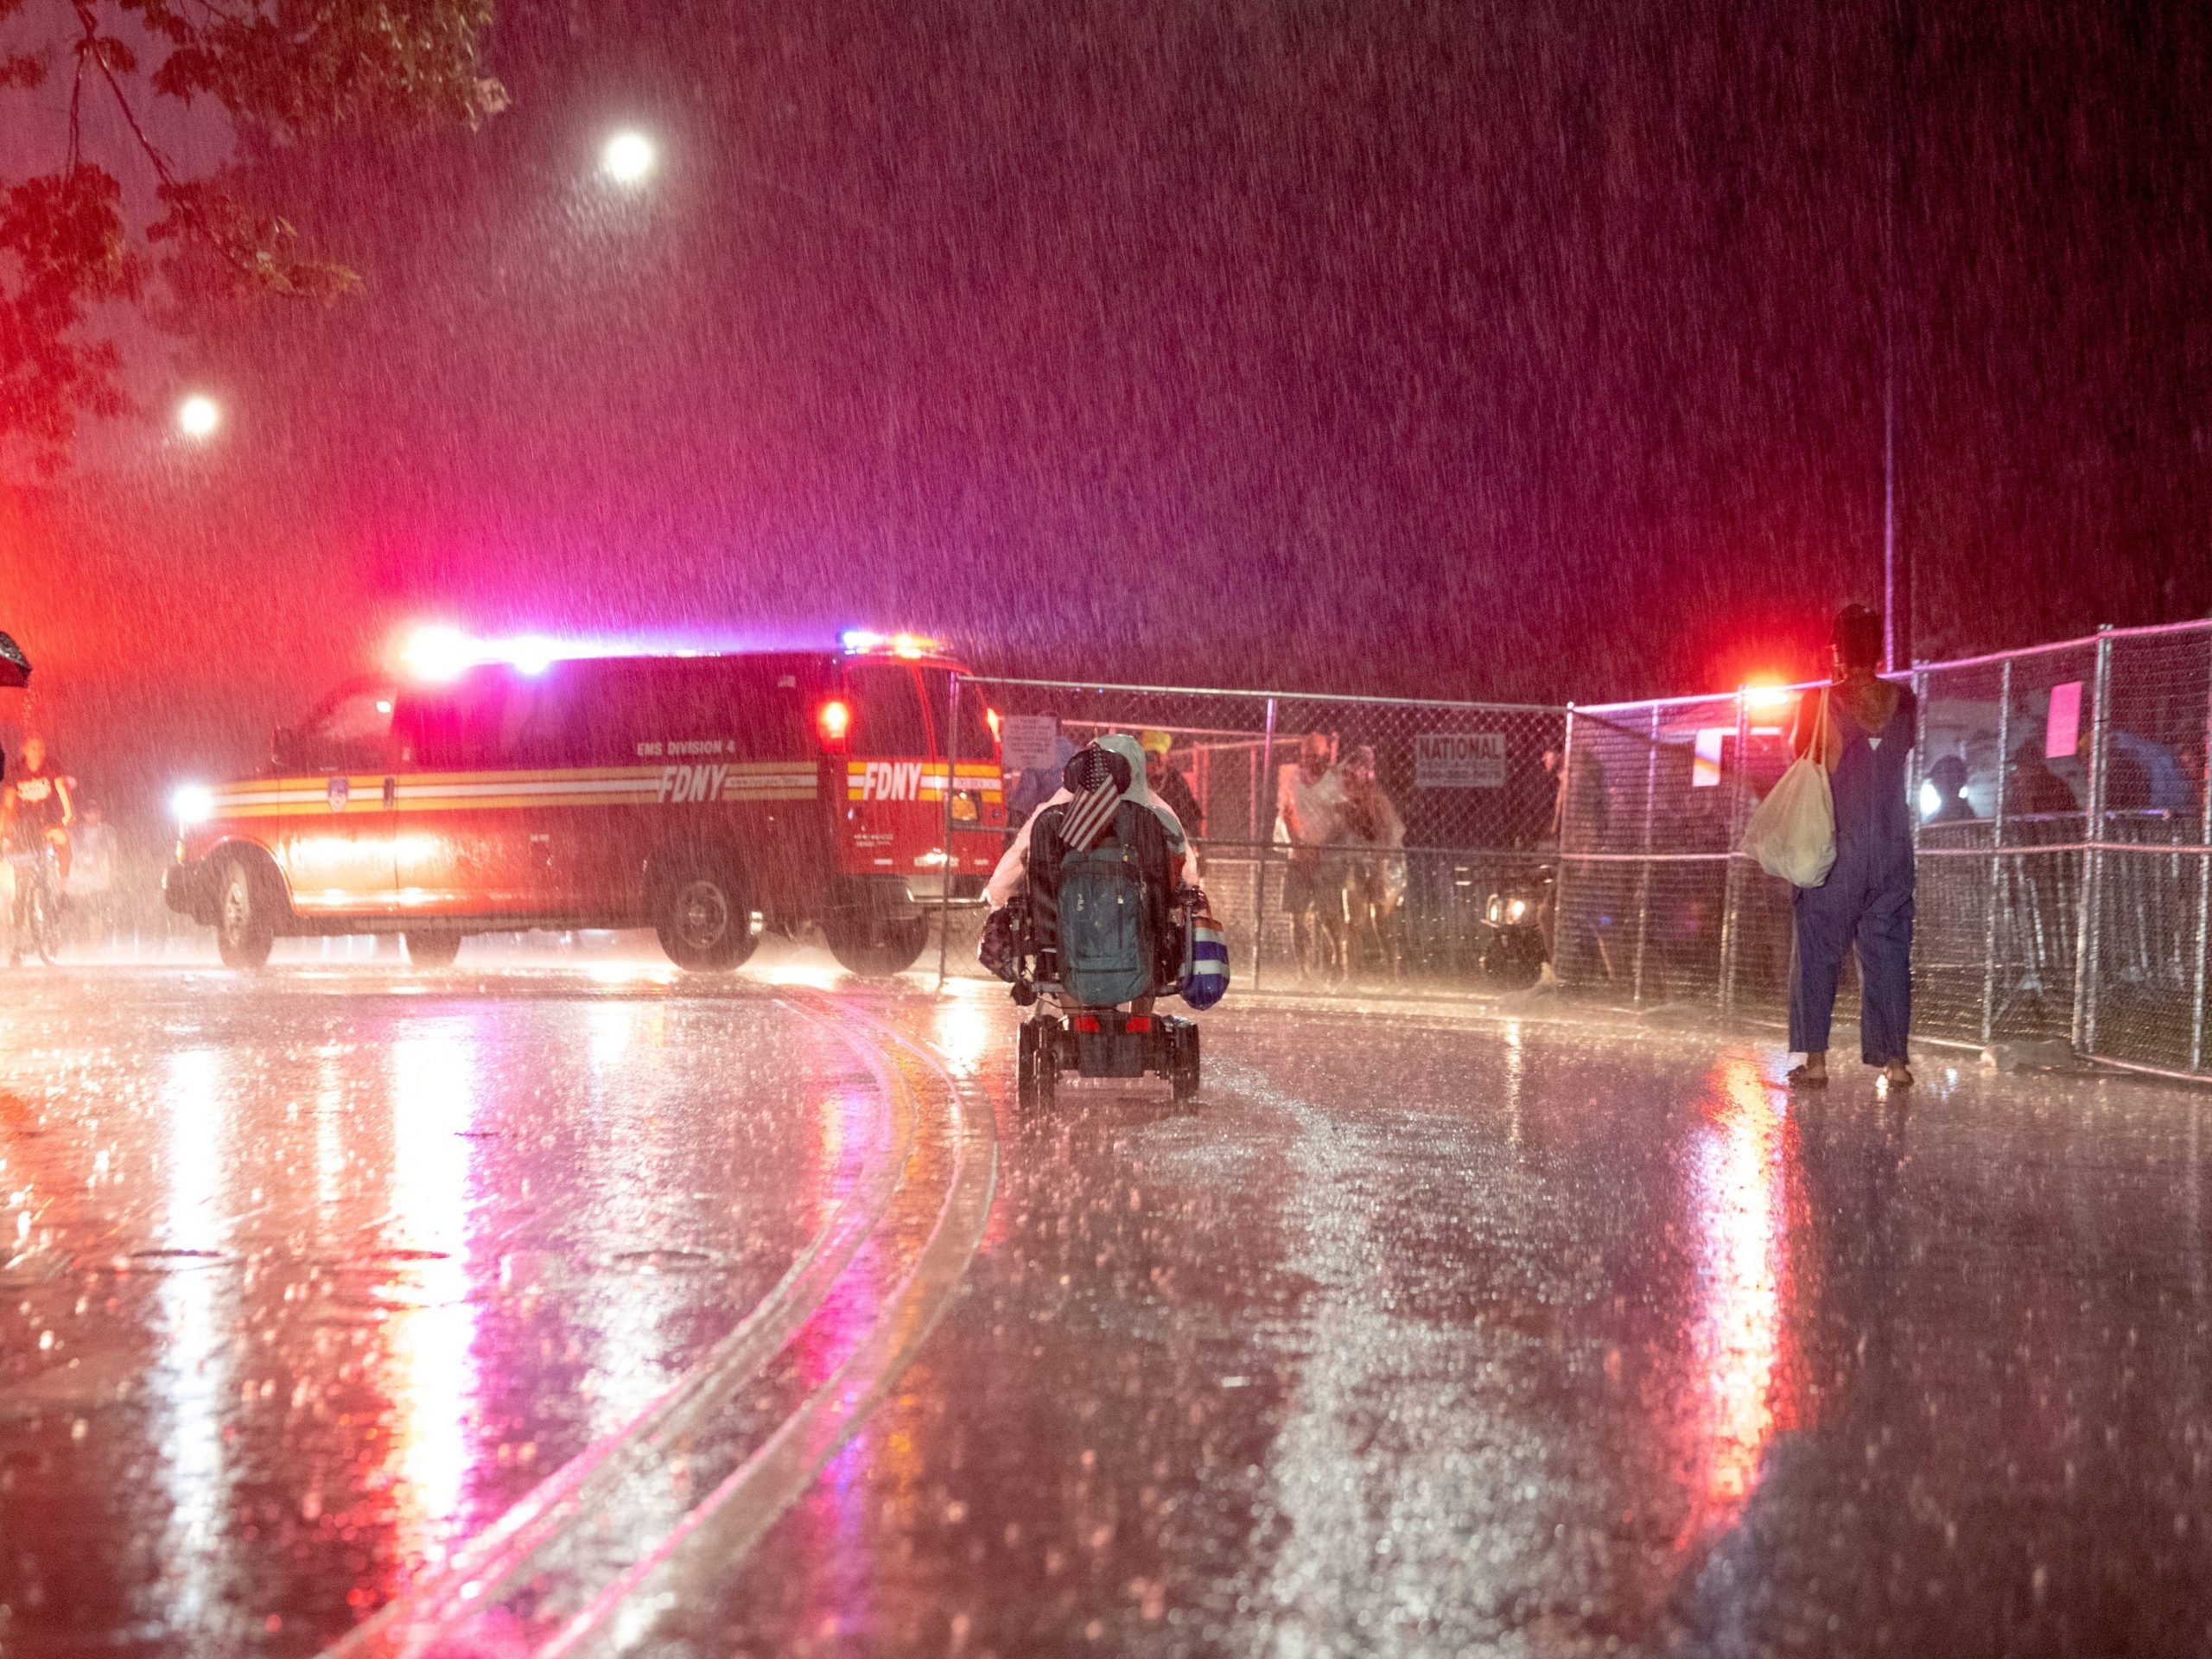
198	416
627	157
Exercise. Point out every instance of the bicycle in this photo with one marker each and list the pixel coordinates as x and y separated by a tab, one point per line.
38	903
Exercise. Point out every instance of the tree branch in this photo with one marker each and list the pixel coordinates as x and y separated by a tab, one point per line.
182	201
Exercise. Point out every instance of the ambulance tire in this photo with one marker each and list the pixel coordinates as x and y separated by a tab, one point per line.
246	905
701	915
874	948
432	949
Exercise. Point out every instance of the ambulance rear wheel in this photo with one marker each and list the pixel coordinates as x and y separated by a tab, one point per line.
874	947
703	920
432	949
245	914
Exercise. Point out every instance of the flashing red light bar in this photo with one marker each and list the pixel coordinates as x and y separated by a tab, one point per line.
436	653
860	642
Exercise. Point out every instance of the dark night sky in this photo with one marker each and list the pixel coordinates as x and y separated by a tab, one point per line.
1526	350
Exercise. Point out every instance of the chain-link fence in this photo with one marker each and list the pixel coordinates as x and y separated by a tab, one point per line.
2063	857
1340	838
2059	797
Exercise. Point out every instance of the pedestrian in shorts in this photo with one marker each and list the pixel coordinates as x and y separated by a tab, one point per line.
1309	804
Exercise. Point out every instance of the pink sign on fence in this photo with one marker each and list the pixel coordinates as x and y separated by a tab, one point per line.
2062	732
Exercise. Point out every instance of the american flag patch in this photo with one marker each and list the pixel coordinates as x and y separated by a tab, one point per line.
1089	815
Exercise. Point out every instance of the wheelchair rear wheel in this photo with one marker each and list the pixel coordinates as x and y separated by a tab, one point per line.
1185	1075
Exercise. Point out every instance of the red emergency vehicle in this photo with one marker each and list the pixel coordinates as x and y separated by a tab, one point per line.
709	797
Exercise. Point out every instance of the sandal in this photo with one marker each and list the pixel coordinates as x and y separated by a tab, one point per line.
1803	1076
1897	1075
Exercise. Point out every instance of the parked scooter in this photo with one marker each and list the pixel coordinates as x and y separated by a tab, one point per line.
1512	953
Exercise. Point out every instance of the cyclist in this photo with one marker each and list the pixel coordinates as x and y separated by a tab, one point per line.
36	813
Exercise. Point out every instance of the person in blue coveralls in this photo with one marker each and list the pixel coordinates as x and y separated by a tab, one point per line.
1866	901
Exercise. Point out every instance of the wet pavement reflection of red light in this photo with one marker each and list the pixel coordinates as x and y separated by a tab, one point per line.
1418	1332
1744	1206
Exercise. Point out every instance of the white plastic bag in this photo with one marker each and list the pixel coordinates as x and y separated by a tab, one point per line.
1793	832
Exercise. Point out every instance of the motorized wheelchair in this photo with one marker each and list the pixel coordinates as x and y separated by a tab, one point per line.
1098	934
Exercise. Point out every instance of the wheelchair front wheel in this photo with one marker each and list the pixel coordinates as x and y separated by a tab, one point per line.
1035	1071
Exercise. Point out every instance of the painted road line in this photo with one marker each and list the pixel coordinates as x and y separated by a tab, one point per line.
432	1610
716	1535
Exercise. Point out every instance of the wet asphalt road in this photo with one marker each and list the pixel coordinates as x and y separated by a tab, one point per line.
512	1312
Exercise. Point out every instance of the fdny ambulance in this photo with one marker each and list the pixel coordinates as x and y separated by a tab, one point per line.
708	797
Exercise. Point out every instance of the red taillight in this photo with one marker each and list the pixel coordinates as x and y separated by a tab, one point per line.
833	720
1086	1022
1138	1022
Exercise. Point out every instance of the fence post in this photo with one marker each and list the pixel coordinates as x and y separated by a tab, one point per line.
951	787
1996	856
1731	887
2203	892
1917	762
1565	805
1644	867
1263	834
2089	917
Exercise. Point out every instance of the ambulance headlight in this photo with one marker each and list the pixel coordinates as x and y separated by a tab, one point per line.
192	804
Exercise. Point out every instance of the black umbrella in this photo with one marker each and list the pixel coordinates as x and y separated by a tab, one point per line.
14	667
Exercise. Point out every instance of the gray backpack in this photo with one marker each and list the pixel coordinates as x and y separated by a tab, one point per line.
1106	921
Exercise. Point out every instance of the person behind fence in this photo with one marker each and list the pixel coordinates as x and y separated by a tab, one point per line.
91	875
1309	800
2188	762
1866	725
1585	819
2041	810
1375	882
2036	793
1168	783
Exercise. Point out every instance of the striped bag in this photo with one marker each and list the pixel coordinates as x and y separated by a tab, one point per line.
1205	958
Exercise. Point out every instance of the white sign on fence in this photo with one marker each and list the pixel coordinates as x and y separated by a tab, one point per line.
1027	741
1459	760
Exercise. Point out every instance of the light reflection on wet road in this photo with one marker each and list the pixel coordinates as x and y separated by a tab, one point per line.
1416	1333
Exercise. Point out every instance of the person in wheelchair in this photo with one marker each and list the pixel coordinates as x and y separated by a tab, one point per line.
1115	760
1086	909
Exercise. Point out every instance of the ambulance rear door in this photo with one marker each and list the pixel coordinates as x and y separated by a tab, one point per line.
967	752
893	821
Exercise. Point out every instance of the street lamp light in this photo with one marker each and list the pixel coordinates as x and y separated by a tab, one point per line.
627	157
198	416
